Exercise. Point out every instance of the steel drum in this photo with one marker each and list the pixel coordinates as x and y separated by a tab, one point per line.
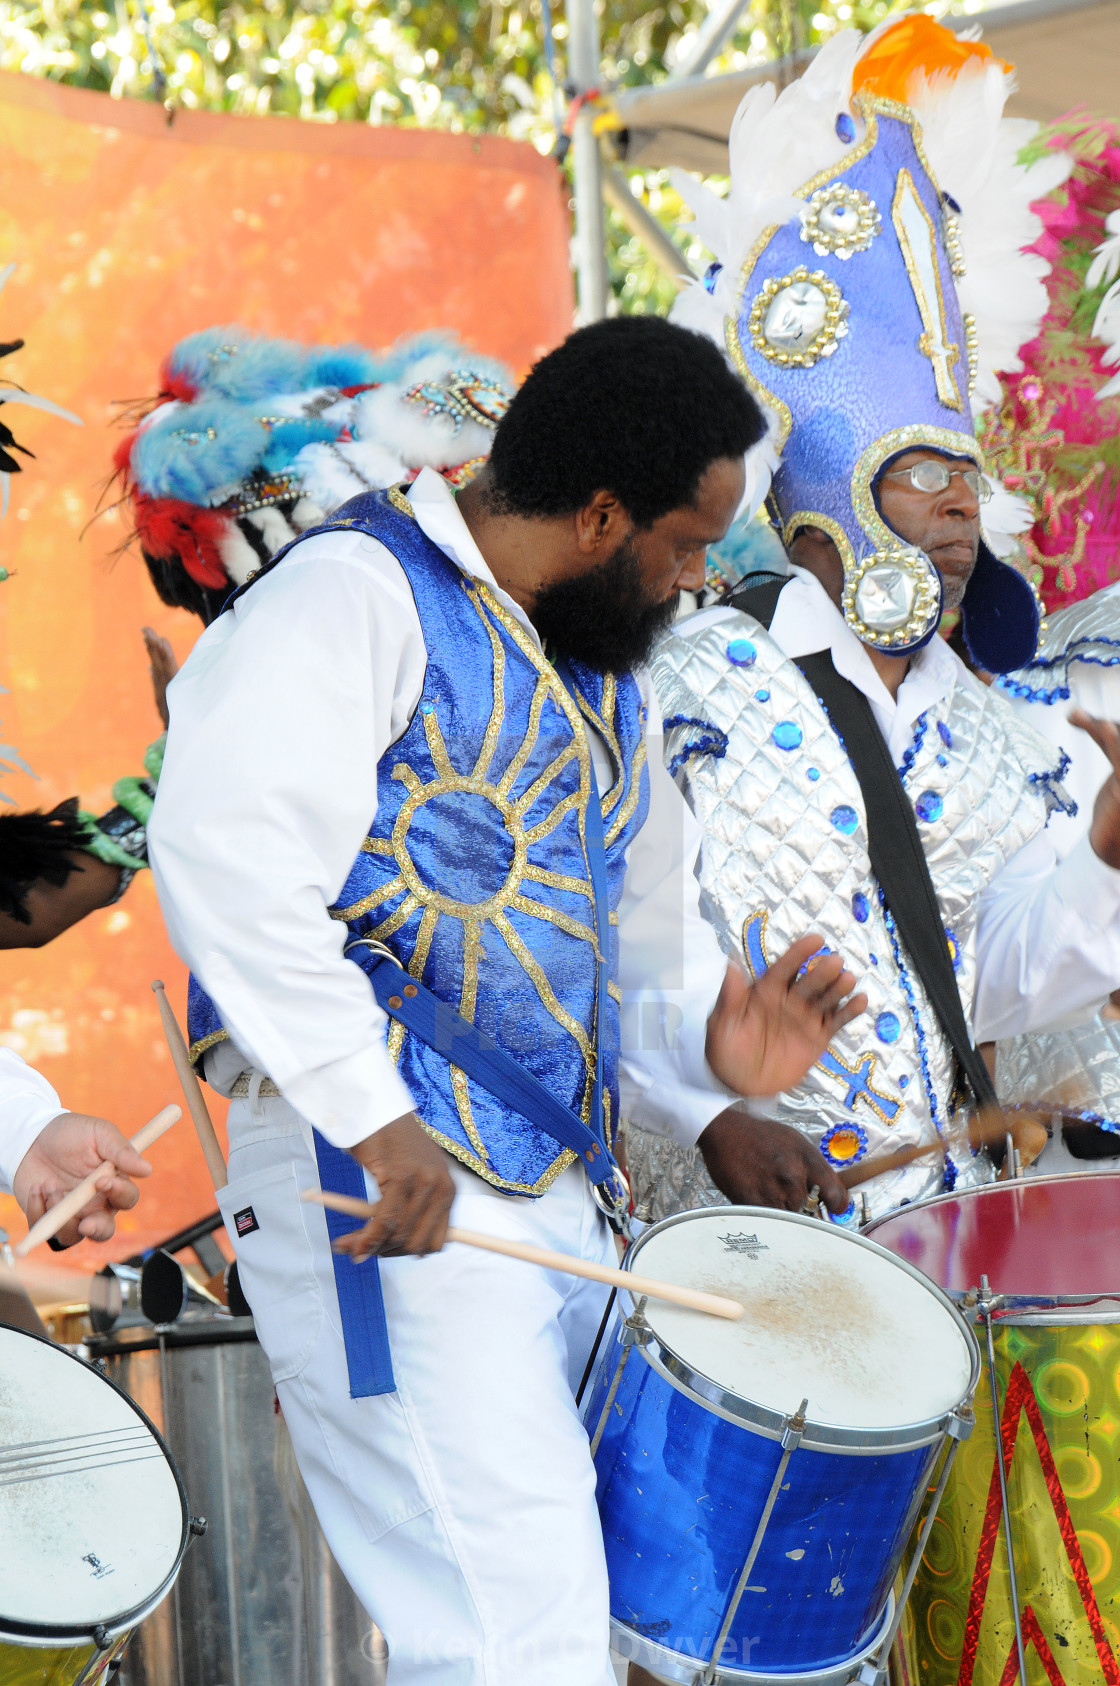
1050	1250
751	1536
93	1518
261	1602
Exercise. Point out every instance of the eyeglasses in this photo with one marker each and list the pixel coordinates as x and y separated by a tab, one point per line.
929	475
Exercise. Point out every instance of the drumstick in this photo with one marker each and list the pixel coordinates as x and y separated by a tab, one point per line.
61	1213
192	1090
985	1130
852	1175
692	1298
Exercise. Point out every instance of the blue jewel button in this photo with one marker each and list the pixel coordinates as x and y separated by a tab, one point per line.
787	734
845	128
427	708
942	760
860	907
888	1027
711	276
945	734
742	652
874	959
929	806
845	819
813	774
762	696
904	1081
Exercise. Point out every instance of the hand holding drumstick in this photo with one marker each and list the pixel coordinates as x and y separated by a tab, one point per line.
62	1155
100	1178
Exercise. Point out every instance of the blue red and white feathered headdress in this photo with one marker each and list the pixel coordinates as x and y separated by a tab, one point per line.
871	283
255	440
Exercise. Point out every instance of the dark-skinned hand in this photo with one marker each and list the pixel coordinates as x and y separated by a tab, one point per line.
1104	833
756	1162
763	1037
416	1193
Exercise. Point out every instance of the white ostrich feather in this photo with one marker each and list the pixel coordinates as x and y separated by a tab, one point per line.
1004	517
1106	327
1106	264
972	151
329	474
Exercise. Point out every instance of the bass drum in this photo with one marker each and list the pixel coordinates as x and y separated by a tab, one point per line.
93	1518
1050	1248
261	1601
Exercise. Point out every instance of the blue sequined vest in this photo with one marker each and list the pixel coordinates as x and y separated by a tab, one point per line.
475	872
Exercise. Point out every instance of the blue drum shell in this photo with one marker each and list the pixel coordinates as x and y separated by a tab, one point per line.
681	1490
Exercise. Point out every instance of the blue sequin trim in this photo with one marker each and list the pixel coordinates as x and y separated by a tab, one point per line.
911	754
1050	785
714	743
1071	653
919	1031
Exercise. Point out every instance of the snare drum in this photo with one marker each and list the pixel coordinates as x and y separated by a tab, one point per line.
1050	1248
93	1520
748	1535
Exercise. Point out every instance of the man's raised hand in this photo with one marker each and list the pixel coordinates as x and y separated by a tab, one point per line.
764	1037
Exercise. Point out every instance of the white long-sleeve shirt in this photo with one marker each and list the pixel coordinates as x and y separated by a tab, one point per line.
27	1105
269	786
1048	935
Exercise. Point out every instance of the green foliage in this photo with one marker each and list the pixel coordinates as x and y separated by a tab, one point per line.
475	65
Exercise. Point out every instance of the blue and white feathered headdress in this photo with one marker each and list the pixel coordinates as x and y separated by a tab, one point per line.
255	440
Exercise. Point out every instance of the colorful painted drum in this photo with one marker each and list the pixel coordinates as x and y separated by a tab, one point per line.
93	1521
751	1535
1050	1248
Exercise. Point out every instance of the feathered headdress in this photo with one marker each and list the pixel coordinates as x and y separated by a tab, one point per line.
871	281
255	440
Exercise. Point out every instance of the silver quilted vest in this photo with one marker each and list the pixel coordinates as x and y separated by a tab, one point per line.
785	852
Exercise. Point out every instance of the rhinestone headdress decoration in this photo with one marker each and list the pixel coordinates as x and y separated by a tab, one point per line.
863	356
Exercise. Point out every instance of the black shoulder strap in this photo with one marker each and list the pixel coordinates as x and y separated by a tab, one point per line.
898	859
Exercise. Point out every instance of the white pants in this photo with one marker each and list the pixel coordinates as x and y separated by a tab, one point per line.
461	1508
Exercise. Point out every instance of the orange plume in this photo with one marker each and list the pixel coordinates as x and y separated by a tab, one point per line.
915	43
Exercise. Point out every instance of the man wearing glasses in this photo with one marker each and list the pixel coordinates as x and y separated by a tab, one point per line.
846	765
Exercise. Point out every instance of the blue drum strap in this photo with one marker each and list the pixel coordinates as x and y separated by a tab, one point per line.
360	1304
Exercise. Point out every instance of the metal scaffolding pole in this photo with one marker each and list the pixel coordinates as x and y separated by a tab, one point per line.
584	69
716	30
616	191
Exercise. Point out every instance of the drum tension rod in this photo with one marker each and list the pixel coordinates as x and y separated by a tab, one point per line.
985	1305
635	1332
791	1440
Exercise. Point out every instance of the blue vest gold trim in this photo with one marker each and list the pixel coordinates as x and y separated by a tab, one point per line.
475	872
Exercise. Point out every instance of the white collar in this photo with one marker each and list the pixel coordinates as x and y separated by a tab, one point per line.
807	620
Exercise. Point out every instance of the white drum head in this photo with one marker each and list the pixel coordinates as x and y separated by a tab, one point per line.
828	1319
91	1516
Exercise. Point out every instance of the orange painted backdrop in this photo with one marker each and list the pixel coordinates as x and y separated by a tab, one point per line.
129	233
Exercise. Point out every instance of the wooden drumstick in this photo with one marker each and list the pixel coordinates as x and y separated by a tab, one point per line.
192	1090
61	1213
692	1298
985	1130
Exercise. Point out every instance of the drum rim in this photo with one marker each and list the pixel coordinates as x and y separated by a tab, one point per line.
48	1635
828	1437
1028	1307
676	1666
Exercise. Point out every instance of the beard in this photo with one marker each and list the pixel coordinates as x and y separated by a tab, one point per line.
606	618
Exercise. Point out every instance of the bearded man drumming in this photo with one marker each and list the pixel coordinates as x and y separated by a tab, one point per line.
419	751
